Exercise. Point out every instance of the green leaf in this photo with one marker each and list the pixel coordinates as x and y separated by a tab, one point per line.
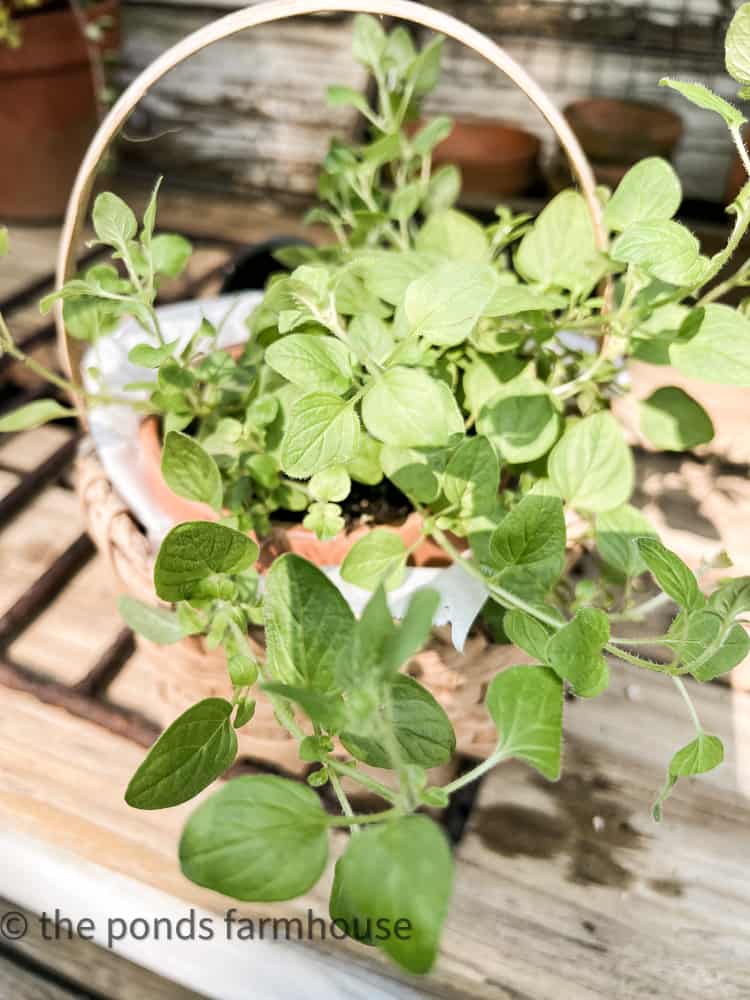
149	216
408	408
196	550
370	338
325	520
510	300
341	97
472	478
702	754
444	305
737	43
326	710
332	484
432	134
114	222
189	471
591	465
455	235
663	249
388	274
412	472
731	598
560	249
41	411
522	420
485	376
195	750
720	349
526	706
443	189
3	241
170	253
245	712
408	638
574	652
368	40
733	650
670	572
309	625
673	421
704	98
377	558
259	838
421	728
649	191
617	532
527	633
396	871
322	430
425	70
320	363
366	466
532	535
159	625
147	356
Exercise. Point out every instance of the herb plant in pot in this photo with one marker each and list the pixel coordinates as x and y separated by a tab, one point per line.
443	358
50	80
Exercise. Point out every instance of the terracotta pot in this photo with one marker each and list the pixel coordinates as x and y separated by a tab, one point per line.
496	159
284	537
623	132
48	110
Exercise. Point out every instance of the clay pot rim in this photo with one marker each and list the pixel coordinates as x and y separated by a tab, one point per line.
32	57
579	112
497	128
297	534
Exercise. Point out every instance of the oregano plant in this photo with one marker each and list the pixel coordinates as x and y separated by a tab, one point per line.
463	371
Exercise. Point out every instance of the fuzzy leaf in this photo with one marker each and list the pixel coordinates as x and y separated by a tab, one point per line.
195	750
526	705
259	838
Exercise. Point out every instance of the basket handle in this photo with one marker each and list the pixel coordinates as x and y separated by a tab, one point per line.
276	10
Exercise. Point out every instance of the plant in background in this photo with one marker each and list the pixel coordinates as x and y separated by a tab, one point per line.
468	368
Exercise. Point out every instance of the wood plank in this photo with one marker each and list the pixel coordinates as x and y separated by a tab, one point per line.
7	482
66	641
24	452
72	796
515	927
727	405
82	964
249	112
580	894
22	984
34	539
31	256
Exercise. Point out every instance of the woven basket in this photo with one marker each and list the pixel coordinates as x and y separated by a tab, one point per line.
178	676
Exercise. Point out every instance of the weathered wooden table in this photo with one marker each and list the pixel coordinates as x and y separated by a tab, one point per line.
564	890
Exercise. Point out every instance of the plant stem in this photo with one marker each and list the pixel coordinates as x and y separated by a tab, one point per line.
363	818
364	779
338	788
506	598
476	772
680	685
741	149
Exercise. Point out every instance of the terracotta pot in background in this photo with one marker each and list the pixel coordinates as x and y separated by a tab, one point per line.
48	110
284	537
623	131
496	159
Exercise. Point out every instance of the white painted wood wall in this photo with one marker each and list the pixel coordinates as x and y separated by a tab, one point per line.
250	113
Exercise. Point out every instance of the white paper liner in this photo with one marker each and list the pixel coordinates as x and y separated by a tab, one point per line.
114	431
